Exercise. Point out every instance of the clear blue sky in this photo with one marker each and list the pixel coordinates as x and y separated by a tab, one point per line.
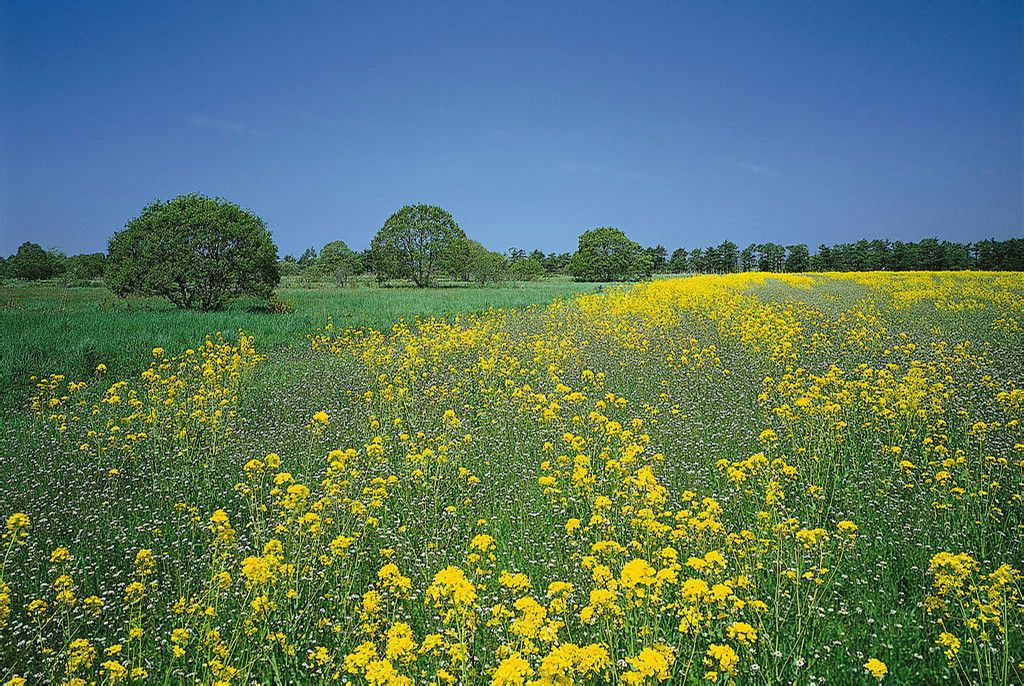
682	123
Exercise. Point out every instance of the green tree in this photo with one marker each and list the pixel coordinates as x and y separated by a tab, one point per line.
606	254
528	269
771	257
87	266
557	262
748	259
486	266
197	252
697	263
307	258
337	262
726	257
412	243
798	258
32	263
677	263
457	260
658	255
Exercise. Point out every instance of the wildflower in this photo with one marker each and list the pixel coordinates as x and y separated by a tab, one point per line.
451	583
393	580
81	654
17	527
876	668
652	663
93	606
259	571
950	645
319	656
742	632
482	542
513	671
134	592
722	658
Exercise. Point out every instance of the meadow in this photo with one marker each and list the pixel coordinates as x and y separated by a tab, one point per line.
55	328
750	478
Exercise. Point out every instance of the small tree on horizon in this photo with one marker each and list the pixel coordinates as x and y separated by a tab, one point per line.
32	263
197	252
528	269
337	262
413	242
606	254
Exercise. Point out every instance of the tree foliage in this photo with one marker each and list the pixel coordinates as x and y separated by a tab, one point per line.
606	254
32	263
338	262
528	269
197	252
87	266
413	242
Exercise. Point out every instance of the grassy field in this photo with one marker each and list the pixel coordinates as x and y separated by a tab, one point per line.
752	478
48	328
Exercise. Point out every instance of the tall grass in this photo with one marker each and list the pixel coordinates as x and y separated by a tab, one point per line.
51	328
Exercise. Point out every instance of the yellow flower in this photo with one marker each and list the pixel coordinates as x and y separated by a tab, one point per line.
482	542
513	671
742	632
722	658
17	526
451	583
319	656
876	668
652	663
950	645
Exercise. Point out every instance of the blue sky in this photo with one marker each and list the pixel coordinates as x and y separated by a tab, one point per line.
682	123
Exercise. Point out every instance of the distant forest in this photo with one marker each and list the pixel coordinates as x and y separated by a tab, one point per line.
930	254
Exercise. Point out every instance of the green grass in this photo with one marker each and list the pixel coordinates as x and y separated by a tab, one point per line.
50	328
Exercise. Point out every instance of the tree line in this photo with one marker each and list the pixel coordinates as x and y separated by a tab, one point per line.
199	252
929	254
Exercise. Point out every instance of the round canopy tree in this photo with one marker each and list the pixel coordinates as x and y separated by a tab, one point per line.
413	242
197	252
606	254
32	263
338	262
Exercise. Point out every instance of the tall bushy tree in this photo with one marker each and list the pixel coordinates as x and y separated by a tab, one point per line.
197	252
677	264
32	263
87	266
486	266
527	270
748	258
413	241
798	258
606	254
993	255
337	262
725	257
658	255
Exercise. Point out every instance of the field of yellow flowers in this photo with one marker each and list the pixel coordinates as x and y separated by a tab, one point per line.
748	478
